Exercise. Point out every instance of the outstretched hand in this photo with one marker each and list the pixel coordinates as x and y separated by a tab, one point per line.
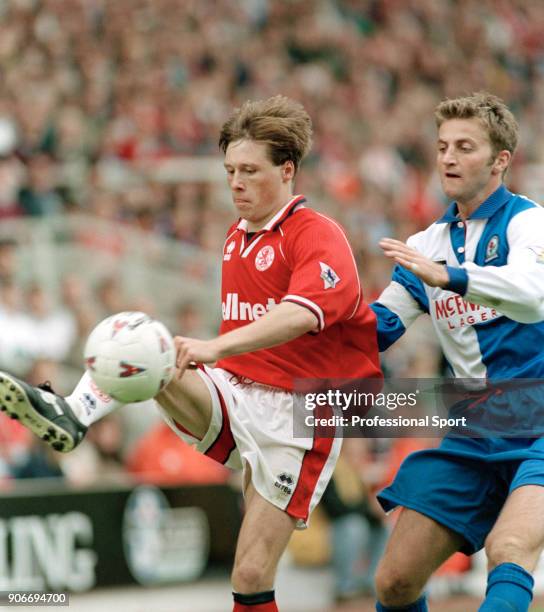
430	272
190	351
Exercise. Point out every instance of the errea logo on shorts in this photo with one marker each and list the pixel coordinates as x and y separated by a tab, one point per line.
235	310
284	482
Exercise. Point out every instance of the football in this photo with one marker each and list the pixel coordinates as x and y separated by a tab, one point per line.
130	356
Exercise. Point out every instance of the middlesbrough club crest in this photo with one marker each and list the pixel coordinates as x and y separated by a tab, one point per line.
264	258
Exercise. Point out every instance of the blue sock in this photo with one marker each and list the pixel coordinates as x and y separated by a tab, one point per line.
418	606
509	589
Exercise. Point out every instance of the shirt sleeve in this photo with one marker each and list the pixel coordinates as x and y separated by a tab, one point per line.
389	326
324	275
516	289
398	306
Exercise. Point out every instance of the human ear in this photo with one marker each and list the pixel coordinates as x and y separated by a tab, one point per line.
502	161
288	171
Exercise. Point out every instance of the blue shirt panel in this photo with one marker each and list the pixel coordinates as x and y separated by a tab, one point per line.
413	285
389	326
509	349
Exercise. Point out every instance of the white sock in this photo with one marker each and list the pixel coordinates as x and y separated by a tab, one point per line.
89	403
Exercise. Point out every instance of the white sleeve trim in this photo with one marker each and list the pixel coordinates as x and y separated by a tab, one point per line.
315	309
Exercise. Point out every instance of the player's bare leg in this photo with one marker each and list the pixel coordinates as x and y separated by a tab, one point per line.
417	546
188	401
263	538
518	534
513	548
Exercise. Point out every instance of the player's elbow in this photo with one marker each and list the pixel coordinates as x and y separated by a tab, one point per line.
307	322
532	316
531	311
300	318
531	299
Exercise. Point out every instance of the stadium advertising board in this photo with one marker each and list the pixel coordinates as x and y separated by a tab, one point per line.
61	540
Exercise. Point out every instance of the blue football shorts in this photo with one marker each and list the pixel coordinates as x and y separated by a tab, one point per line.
464	483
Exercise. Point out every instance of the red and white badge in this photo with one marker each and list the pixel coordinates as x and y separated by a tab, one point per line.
264	258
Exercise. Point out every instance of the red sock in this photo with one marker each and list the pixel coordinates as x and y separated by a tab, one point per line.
255	602
266	607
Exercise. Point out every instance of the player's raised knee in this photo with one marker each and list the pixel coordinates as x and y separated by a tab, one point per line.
395	587
506	547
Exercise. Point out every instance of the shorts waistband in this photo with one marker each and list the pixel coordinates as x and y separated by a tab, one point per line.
243	381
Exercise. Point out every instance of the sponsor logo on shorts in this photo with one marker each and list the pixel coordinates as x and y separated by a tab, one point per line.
284	482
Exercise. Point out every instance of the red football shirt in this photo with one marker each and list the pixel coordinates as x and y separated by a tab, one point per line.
304	257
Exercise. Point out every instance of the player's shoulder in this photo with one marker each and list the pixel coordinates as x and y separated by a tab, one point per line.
523	207
524	217
521	202
233	227
429	237
309	220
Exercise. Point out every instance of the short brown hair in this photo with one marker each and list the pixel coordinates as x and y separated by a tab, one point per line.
501	125
281	123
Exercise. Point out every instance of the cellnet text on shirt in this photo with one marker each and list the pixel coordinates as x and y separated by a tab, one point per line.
236	310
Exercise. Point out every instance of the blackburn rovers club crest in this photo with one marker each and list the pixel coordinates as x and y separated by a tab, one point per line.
329	276
492	249
264	258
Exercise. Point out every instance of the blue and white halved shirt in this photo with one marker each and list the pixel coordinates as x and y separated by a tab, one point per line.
491	325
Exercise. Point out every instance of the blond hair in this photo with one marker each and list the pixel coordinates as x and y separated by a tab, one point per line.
497	119
279	122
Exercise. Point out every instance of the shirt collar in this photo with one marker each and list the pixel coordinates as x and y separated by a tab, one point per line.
486	209
279	217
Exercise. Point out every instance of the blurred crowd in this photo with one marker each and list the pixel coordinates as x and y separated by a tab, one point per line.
42	339
97	96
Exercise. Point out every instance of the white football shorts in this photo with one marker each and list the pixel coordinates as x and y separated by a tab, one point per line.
252	426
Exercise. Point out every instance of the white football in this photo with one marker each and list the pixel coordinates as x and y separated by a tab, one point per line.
130	356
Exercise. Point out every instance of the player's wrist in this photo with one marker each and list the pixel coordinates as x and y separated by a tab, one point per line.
226	346
457	280
219	348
